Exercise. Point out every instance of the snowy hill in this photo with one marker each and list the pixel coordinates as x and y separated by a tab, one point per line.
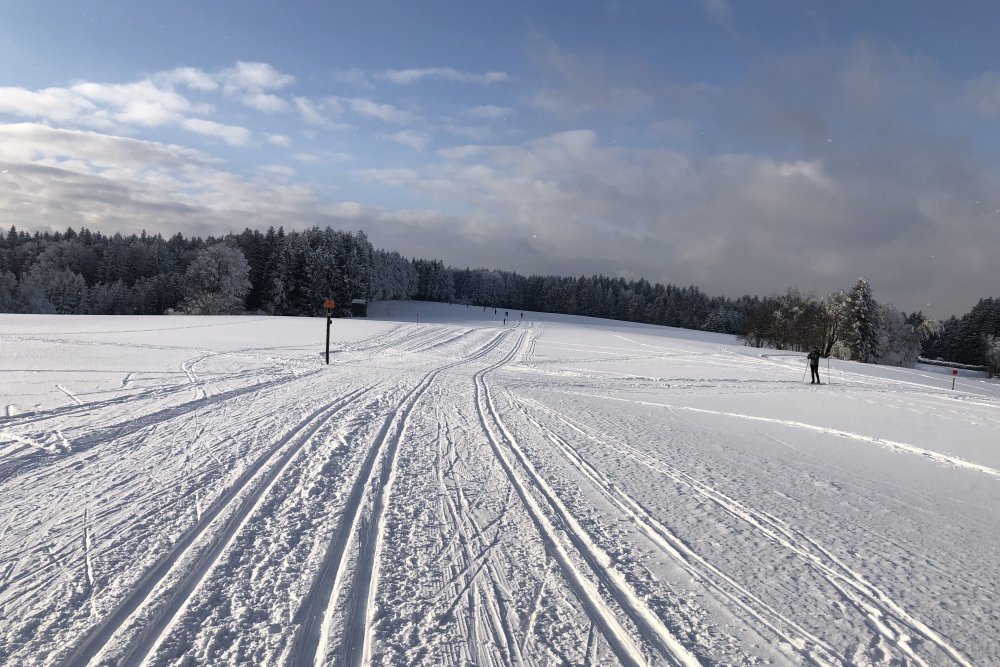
457	489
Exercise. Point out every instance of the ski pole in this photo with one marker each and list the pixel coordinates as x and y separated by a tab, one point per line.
804	370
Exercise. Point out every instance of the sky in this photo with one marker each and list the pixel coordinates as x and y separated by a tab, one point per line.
744	147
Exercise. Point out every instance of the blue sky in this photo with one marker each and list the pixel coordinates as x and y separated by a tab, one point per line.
745	147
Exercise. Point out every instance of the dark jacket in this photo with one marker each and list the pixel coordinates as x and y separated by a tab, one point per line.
813	358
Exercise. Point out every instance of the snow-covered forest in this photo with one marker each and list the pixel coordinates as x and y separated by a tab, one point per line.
291	273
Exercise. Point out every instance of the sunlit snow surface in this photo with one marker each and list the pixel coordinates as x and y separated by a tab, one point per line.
453	490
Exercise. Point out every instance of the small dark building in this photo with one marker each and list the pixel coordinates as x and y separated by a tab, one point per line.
359	308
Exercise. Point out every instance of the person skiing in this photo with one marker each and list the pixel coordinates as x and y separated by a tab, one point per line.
813	358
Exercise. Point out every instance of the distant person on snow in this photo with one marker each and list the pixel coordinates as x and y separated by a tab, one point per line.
813	358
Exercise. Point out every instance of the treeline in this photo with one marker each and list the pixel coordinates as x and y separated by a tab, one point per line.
291	273
595	296
972	339
845	325
276	272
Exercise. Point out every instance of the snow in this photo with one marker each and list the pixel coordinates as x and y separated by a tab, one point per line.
453	490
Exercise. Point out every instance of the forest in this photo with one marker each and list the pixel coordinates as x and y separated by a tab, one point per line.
291	273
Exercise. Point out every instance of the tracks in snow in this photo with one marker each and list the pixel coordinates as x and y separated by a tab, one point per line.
362	521
890	622
572	544
201	545
811	648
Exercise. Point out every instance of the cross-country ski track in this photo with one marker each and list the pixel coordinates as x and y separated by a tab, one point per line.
453	490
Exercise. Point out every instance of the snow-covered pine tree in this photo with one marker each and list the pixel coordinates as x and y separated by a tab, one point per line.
8	292
833	320
358	267
861	331
290	278
216	282
31	296
993	355
900	336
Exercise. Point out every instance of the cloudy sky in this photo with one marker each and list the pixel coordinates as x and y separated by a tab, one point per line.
743	146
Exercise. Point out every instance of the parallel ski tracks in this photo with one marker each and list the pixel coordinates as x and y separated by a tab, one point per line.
372	486
204	541
546	511
886	617
810	647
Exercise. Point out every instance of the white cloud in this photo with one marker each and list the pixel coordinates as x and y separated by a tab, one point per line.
458	153
150	102
354	77
379	111
489	112
395	177
319	112
252	84
481	134
812	171
54	104
111	184
139	103
265	102
310	111
284	171
410	76
721	222
322	157
279	140
30	142
415	140
253	77
191	77
718	10
577	84
233	135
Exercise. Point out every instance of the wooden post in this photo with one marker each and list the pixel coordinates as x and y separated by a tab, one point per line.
329	305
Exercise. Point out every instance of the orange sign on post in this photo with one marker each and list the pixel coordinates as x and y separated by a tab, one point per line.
329	305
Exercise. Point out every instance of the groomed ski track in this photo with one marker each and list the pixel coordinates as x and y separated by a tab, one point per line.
462	492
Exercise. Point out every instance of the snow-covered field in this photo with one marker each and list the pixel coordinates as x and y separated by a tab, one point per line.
453	490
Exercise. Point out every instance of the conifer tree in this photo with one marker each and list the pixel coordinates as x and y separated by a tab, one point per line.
861	330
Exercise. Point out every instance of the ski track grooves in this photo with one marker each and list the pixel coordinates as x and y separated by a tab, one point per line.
312	641
810	647
886	617
619	639
255	484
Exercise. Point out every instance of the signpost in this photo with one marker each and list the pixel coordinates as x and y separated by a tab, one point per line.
329	305
954	374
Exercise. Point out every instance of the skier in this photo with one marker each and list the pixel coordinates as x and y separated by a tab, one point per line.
813	358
